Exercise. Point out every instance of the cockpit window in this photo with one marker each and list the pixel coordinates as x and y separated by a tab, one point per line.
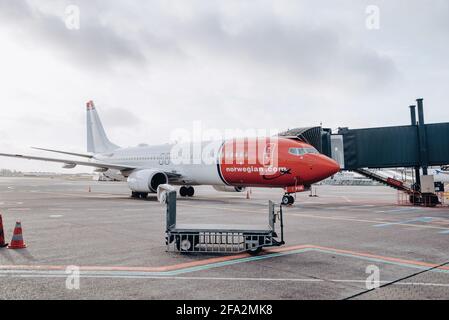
302	151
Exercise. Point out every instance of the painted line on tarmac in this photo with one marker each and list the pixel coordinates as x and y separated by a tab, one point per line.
397	210
442	222
207	264
404	222
359	208
178	278
337	218
220	208
373	257
308	203
84	195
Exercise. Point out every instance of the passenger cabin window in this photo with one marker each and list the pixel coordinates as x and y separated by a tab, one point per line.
302	151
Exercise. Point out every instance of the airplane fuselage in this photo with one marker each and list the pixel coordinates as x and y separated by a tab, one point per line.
287	163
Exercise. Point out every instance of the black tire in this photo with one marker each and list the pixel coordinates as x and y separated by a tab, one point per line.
291	200
415	200
255	252
143	195
134	195
183	191
286	200
186	243
190	191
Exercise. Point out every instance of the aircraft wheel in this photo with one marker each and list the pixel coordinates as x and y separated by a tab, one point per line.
286	200
183	191
134	194
190	191
143	195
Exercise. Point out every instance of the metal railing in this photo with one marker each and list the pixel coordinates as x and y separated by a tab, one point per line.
216	242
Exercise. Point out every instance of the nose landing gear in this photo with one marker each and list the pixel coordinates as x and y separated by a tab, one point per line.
186	191
288	199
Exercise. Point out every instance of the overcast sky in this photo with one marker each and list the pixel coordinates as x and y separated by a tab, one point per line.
152	66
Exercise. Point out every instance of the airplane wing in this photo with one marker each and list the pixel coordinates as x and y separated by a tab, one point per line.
71	163
84	155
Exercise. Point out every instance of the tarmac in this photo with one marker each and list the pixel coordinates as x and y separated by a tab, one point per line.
336	245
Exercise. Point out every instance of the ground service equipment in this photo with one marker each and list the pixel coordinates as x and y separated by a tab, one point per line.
211	238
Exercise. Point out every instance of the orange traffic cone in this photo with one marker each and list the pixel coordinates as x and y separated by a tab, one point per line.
17	238
2	234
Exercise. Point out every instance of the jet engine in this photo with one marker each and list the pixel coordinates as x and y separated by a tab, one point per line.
146	180
229	189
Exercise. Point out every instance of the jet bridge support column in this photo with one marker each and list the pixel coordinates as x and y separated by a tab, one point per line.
417	169
424	158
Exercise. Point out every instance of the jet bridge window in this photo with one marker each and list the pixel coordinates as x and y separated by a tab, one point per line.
302	151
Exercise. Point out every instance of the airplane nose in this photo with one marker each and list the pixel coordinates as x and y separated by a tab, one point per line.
326	167
332	166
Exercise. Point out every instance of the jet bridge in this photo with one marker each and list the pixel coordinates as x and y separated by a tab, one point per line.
418	145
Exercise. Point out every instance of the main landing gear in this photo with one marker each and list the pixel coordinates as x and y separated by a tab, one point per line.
139	195
186	191
288	199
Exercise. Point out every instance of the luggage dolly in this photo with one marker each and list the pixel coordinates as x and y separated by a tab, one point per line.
211	238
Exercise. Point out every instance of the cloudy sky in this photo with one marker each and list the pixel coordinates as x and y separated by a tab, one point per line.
152	66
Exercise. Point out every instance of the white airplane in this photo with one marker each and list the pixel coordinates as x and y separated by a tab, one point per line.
279	162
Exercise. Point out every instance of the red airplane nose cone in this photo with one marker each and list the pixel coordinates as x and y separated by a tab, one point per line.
334	167
326	167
